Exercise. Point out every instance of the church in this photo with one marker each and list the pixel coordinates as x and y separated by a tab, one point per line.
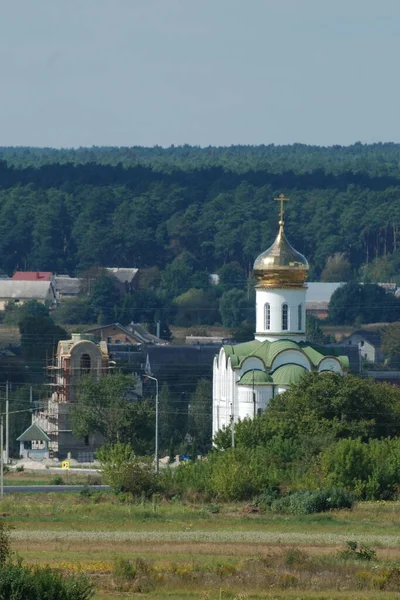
246	376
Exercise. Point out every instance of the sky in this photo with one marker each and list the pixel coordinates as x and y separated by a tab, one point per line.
203	72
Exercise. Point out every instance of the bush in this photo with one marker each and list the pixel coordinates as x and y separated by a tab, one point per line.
19	582
308	502
57	480
354	551
127	474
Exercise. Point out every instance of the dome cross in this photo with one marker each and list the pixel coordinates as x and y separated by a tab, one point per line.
282	198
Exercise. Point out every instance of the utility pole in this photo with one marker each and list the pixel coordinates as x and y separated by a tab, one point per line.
2	450
7	426
156	432
232	427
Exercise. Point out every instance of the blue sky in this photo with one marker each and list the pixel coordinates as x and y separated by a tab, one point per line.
219	72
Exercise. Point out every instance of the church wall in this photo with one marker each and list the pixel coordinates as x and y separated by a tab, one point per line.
252	400
249	364
276	298
330	364
293	357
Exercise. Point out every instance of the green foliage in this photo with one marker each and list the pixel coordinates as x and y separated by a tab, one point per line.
314	332
370	470
19	582
200	414
368	303
338	268
105	406
57	480
308	502
75	311
125	473
391	344
233	308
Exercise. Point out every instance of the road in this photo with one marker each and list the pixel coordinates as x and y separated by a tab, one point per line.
16	489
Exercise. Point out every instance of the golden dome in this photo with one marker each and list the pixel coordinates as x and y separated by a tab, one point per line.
280	265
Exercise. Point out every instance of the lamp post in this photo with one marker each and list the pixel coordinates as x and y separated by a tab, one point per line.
156	434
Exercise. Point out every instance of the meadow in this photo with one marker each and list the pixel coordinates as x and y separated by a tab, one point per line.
159	550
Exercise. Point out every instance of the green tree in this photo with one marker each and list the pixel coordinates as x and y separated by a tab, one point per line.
200	414
105	299
233	308
391	344
338	268
231	276
368	303
105	406
126	473
39	340
314	331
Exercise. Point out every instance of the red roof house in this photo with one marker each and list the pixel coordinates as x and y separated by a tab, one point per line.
32	276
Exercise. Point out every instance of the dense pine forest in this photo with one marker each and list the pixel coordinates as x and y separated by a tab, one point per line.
68	210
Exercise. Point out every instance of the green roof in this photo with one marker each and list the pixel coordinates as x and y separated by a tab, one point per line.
288	374
255	377
34	433
267	352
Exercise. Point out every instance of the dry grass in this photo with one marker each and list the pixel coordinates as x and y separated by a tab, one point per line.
189	553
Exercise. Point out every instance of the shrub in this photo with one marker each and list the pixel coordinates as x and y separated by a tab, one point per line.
308	502
20	469
126	473
354	551
19	582
57	480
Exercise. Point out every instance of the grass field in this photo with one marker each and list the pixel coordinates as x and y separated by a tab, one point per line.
207	552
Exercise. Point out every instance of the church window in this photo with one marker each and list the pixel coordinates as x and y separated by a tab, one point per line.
300	317
285	317
267	314
85	364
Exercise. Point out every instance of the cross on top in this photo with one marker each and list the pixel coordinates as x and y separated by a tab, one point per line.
282	198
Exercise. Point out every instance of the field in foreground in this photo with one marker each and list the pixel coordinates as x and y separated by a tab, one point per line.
207	552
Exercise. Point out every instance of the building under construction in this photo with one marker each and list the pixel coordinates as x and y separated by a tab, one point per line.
75	358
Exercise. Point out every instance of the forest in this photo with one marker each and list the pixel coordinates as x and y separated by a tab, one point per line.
67	210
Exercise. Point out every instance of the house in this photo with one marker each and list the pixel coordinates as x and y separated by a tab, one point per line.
67	287
127	279
318	296
23	290
115	333
368	342
34	443
75	358
33	276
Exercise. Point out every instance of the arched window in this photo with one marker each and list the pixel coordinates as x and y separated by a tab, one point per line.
300	317
285	317
85	364
267	316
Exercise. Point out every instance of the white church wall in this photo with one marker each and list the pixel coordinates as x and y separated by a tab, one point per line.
250	364
293	357
330	364
276	298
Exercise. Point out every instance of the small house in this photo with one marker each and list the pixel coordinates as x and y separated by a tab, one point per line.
34	443
368	342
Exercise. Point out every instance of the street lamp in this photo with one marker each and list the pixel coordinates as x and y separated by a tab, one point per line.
156	434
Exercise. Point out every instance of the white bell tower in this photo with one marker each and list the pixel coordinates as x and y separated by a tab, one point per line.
281	272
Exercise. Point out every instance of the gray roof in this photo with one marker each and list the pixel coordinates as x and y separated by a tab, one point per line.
123	275
321	291
372	337
135	330
12	288
67	286
34	433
